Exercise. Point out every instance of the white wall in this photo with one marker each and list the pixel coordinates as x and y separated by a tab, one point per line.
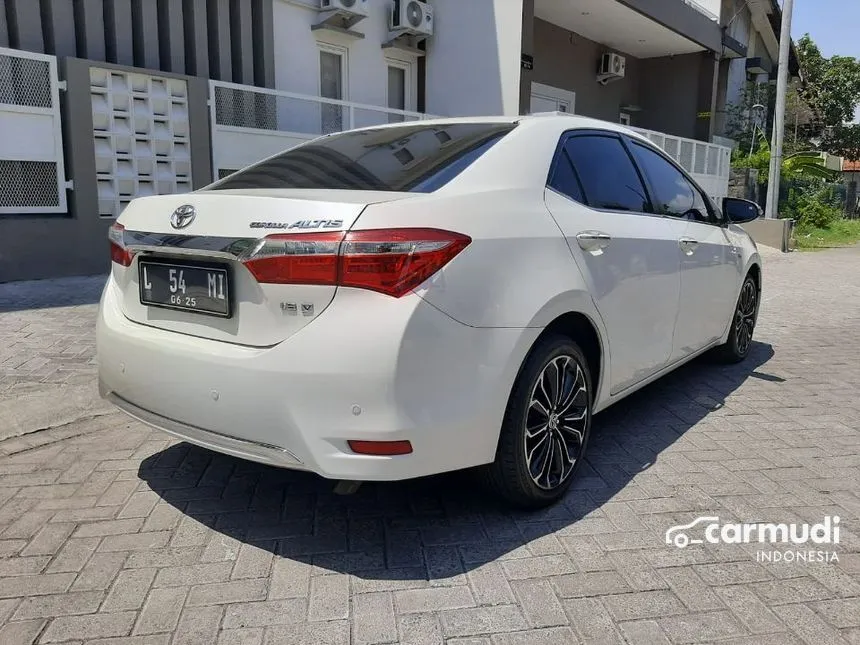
473	59
297	57
711	6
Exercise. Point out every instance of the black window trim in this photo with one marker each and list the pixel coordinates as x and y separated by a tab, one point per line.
566	136
648	145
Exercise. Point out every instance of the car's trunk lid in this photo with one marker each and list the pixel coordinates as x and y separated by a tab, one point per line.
226	225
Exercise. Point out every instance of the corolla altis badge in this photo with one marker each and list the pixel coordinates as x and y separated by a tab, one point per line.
302	224
183	216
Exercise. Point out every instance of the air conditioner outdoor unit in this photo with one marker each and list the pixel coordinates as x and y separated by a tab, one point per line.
345	7
411	17
612	68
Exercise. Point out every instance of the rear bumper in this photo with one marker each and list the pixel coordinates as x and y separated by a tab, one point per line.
370	368
235	446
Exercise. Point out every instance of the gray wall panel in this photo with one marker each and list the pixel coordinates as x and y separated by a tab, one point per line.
241	20
264	44
145	34
171	42
196	38
681	18
25	32
90	28
528	38
201	143
118	31
59	21
220	54
670	94
570	63
4	31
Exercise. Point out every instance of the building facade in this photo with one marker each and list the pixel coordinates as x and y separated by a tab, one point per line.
669	50
141	97
749	64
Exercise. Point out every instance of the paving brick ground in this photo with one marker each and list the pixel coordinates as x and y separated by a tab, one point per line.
110	533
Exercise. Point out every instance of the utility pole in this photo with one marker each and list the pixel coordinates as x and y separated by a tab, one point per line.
779	113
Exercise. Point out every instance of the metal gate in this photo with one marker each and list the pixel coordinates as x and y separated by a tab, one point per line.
32	173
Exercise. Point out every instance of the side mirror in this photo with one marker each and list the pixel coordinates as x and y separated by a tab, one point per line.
741	211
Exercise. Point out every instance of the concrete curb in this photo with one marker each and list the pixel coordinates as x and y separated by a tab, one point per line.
50	407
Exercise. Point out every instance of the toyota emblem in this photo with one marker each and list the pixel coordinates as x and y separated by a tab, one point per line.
183	216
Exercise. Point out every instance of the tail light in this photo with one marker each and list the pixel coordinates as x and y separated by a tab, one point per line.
118	251
391	261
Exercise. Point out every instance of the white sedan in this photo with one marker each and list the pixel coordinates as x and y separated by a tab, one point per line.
398	301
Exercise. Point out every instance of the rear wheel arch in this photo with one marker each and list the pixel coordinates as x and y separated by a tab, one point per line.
581	329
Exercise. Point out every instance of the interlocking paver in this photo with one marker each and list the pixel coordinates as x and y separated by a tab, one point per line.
112	533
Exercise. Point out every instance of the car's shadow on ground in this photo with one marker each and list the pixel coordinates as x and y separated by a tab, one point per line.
437	527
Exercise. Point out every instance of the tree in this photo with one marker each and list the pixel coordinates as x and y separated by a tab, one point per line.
830	88
805	165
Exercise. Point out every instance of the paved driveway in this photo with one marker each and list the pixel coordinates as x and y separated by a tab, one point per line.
111	533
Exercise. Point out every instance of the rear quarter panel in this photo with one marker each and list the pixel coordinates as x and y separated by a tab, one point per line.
517	272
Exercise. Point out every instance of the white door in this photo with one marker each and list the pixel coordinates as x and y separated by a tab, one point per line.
546	98
710	265
628	256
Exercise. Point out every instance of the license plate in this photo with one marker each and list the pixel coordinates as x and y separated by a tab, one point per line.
188	287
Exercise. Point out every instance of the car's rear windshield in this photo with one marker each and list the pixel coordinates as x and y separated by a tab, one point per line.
410	158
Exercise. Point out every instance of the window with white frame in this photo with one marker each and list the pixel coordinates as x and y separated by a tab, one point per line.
334	73
401	87
624	119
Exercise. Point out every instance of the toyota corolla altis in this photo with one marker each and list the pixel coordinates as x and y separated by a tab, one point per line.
398	301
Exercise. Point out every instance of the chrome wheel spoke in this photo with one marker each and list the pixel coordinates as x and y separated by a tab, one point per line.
556	422
546	465
534	431
577	388
540	443
745	317
539	407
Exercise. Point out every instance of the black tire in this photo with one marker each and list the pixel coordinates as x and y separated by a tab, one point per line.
511	476
744	318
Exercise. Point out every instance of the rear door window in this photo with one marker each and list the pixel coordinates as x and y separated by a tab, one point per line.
606	174
412	158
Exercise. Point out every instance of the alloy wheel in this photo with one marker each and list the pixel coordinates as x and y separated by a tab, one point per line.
745	316
556	421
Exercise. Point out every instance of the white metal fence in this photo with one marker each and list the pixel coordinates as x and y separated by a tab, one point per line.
252	123
32	172
708	163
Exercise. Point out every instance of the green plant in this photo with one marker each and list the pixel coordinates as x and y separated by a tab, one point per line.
800	165
843	232
812	205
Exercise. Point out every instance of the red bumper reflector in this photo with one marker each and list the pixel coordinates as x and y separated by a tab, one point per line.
384	448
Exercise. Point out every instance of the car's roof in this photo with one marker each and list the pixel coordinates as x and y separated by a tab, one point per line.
560	120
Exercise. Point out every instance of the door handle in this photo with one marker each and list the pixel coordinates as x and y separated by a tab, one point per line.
688	245
593	241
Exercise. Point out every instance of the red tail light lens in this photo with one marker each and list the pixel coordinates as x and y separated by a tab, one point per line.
395	261
118	252
390	261
302	258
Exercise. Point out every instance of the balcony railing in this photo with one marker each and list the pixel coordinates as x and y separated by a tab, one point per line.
251	123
